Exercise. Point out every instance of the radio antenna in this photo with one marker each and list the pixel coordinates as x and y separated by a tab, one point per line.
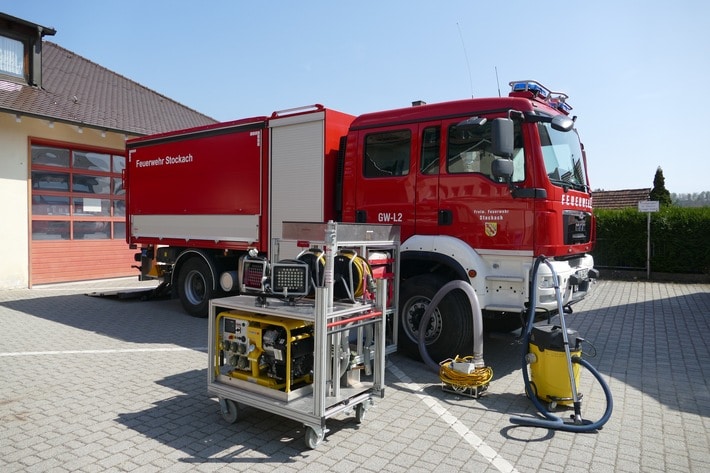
468	65
497	81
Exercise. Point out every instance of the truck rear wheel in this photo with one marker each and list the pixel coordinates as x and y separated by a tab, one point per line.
196	287
450	329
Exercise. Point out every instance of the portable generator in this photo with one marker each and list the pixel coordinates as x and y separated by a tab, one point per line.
270	351
549	379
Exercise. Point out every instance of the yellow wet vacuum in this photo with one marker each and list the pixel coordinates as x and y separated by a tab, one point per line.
553	356
549	378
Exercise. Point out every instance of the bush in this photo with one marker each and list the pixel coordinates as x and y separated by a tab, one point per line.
680	239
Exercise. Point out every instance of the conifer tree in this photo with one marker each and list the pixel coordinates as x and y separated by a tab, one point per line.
659	191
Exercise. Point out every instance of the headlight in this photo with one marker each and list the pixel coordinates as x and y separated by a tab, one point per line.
546	282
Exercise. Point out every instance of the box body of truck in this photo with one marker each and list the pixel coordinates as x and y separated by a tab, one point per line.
202	197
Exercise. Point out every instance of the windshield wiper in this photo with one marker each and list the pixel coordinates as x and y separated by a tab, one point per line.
569	185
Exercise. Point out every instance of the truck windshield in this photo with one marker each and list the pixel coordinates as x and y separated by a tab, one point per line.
562	153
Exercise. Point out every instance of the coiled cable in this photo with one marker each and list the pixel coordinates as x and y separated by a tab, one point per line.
460	381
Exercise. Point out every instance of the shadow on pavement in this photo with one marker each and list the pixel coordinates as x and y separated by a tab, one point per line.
129	320
191	422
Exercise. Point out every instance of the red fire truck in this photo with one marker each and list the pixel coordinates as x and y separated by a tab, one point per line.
479	188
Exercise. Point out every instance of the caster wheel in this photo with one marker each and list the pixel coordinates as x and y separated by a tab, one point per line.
313	438
360	413
229	410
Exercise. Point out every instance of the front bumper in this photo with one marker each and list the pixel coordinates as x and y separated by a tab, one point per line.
575	278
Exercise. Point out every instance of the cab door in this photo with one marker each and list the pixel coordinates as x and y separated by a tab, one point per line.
474	205
385	181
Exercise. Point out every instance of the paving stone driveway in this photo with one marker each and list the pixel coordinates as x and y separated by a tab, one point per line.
102	384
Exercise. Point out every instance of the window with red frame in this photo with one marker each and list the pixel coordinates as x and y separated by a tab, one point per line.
77	194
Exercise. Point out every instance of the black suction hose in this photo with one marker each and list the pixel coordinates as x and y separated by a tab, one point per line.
551	421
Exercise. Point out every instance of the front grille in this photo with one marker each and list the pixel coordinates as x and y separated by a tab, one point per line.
577	226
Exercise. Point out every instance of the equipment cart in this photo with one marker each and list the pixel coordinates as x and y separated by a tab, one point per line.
313	357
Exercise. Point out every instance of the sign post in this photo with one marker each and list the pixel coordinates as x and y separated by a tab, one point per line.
648	207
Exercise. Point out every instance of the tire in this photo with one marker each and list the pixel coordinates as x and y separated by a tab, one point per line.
450	329
196	287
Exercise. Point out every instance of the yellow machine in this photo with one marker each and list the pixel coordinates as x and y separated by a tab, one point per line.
270	351
553	358
549	376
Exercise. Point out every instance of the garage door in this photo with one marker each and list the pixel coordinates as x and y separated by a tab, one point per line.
78	227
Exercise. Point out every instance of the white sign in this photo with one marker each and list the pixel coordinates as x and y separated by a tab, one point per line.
648	206
91	205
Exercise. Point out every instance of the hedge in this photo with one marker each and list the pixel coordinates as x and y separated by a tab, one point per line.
680	239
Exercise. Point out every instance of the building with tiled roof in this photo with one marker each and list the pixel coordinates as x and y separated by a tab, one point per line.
77	91
619	199
64	121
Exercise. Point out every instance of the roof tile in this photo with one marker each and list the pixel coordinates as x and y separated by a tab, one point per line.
80	91
619	199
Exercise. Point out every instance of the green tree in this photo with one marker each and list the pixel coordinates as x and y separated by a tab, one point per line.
659	191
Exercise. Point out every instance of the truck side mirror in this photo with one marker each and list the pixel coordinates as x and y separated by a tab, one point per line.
502	168
502	137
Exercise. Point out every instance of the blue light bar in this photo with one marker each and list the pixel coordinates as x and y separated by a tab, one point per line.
556	100
559	103
530	86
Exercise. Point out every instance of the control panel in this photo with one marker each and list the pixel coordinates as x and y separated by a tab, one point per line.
270	351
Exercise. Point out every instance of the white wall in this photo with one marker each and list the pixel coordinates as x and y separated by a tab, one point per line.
13	203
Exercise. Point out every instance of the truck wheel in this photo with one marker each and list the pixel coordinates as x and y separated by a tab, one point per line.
450	329
195	287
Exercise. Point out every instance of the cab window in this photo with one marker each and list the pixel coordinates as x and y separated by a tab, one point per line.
469	151
387	154
430	150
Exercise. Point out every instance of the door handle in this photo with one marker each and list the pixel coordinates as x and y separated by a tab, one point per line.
446	217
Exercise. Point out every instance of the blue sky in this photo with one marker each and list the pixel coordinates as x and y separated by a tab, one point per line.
634	70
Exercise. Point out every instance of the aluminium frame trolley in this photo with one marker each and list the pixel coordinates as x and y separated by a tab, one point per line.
308	337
